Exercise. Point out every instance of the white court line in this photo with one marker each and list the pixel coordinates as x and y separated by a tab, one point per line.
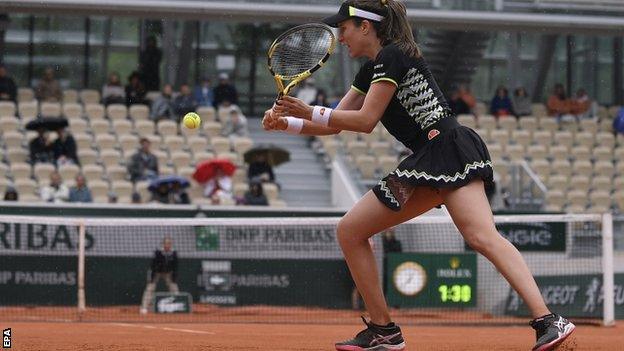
164	328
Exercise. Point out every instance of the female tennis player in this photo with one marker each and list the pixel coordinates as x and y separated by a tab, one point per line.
450	165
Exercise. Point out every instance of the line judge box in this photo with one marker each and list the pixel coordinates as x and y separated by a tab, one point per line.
165	302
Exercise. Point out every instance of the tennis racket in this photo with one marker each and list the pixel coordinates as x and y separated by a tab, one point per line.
299	52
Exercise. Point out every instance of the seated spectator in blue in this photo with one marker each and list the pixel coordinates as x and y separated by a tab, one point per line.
185	102
162	107
618	122
501	103
10	194
178	194
161	194
204	96
80	192
255	195
521	103
143	165
135	90
41	148
113	92
8	89
64	148
457	104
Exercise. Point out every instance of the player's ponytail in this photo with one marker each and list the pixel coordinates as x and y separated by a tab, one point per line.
394	28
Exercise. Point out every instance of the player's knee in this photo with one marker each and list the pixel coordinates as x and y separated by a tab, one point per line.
479	243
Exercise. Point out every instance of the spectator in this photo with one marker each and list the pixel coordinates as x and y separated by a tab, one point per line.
164	265
219	188
185	102
457	105
260	170
149	64
466	95
236	125
161	194
581	105
225	91
143	165
10	194
162	107
307	92
521	103
320	99
56	191
179	195
618	122
135	90
255	195
8	89
204	96
48	89
112	197
64	148
558	104
501	103
41	148
80	192
113	92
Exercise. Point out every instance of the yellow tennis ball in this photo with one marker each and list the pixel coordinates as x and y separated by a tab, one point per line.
191	120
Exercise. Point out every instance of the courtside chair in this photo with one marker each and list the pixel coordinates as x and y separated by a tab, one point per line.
528	123
541	166
100	126
117	111
163	157
84	141
42	171
167	127
271	191
348	136
600	200
577	199
539	110
467	120
122	126
174	143
95	111
500	136
242	145
92	172
166	170
87	156
17	154
559	152
105	141
89	96
197	144
522	137
116	172
220	144
582	167
367	165
211	128
356	148
605	139
142	187
604	153
68	171
232	156
483	133
562	167
51	109
123	189
514	151
202	156
508	123
110	157
180	159
207	114
581	153
25	95
330	145
496	151
580	182
585	138
239	189
542	137
380	148
563	137
144	128
558	182
486	122
139	112
28	110
601	182
20	170
589	125
387	164
9	124
78	125
187	172
537	152
7	108
70	96
25	186
549	123
604	168
555	200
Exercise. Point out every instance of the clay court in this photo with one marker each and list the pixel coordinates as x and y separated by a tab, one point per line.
278	337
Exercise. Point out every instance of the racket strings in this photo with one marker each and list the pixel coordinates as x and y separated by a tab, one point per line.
300	51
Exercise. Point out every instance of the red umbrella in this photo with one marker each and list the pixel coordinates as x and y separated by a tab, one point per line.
208	169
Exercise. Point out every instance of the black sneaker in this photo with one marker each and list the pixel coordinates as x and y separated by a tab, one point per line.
375	338
550	331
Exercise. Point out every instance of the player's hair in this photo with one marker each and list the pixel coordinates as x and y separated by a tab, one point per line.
394	28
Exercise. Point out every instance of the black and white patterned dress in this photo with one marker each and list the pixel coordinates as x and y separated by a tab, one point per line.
445	153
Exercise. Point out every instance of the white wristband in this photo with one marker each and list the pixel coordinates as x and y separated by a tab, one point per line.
294	125
321	115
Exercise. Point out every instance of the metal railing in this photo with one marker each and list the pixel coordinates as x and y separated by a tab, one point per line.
526	191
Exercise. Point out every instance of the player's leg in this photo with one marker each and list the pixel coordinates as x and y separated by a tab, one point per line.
171	285
148	293
368	217
471	213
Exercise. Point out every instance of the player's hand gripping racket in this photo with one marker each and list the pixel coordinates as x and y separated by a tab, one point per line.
298	53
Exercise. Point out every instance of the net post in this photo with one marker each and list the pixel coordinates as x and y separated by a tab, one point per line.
608	318
81	267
